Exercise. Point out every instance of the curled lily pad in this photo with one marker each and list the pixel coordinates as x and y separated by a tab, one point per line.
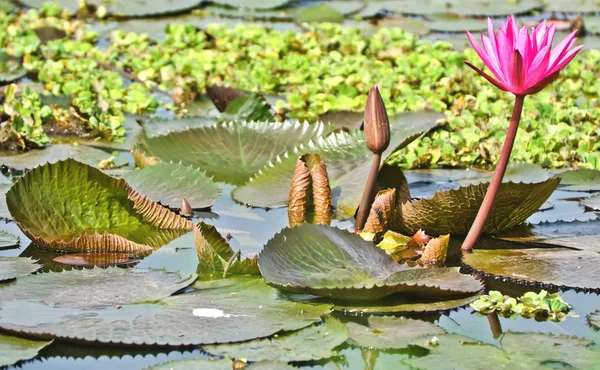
592	202
15	267
8	240
330	262
312	343
13	349
581	180
388	332
69	206
405	304
233	314
96	287
560	267
517	351
234	151
348	162
215	253
167	183
453	211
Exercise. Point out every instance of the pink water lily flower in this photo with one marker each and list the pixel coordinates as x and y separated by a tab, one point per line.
523	64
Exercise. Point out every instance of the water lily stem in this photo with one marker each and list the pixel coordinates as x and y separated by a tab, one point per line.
495	325
490	195
368	194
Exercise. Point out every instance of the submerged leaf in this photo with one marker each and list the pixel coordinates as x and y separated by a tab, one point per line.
234	151
518	351
215	253
167	183
313	343
574	269
453	211
69	206
330	262
390	332
13	349
234	314
96	287
16	267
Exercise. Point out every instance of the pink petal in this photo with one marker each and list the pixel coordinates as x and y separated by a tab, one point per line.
495	64
566	59
496	83
542	84
562	47
539	67
539	33
517	76
482	54
504	52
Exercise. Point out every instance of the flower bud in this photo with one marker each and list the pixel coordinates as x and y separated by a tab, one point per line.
377	125
185	210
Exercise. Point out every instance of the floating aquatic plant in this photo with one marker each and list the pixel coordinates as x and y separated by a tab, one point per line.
542	305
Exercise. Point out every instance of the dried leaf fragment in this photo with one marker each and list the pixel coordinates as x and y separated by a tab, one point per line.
310	187
435	252
382	212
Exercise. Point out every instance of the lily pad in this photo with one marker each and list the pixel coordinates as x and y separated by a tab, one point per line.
69	206
127	8
578	6
453	211
330	262
16	267
13	350
388	332
518	351
215	253
454	23
313	343
592	202
594	319
251	4
319	13
254	310
460	7
57	152
197	363
8	240
347	160
581	180
167	183
406	304
234	151
96	287
157	127
560	267
96	259
252	107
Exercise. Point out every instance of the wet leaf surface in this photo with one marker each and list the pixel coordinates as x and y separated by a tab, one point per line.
388	332
453	211
405	304
330	262
312	343
13	349
70	206
518	351
96	259
8	240
96	287
201	317
574	269
233	152
167	183
16	267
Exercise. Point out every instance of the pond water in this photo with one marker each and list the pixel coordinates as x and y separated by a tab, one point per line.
251	228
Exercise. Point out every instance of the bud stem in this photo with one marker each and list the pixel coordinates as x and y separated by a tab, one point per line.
368	194
492	191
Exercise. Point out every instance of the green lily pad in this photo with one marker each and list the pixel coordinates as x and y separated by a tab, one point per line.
167	183
518	351
13	350
560	267
8	240
197	363
578	6
10	69
348	162
215	253
388	332
460	7
576	235
453	211
330	262
313	343
232	152
16	267
58	152
69	206
251	4
592	202
592	24
96	287
233	314
454	23
157	127
581	180
252	107
127	8
319	13
594	319
405	304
